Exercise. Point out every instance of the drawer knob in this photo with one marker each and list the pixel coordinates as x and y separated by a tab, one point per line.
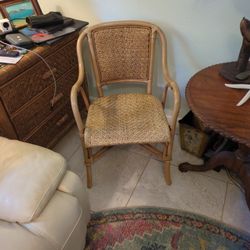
56	99
62	120
48	74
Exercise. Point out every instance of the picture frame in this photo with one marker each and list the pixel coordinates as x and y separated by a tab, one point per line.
17	11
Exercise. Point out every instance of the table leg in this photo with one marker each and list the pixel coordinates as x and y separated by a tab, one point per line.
238	162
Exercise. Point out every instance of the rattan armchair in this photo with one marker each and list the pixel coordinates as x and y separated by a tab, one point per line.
123	52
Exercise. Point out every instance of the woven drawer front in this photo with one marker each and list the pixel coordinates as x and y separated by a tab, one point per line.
34	80
54	127
40	109
63	60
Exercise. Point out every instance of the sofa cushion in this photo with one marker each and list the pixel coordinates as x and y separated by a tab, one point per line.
14	236
29	176
66	211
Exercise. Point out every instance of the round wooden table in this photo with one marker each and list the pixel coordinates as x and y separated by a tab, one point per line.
215	105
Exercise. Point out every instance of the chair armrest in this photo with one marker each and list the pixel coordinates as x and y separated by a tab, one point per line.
169	83
78	86
75	109
176	105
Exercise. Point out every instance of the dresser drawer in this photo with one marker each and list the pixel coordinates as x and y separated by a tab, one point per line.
6	126
63	60
34	80
53	128
35	112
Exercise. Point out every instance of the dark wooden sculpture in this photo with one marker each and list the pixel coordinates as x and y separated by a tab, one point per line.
239	72
245	48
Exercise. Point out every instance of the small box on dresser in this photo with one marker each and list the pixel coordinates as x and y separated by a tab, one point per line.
26	94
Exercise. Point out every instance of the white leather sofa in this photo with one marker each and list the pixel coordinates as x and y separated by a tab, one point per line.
42	205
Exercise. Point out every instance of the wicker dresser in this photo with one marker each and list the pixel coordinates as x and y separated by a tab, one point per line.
26	92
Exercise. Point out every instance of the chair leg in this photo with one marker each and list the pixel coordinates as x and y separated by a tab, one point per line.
89	174
167	173
87	160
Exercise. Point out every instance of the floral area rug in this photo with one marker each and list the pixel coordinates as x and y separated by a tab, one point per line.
149	228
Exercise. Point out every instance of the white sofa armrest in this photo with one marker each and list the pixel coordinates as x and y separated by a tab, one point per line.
72	184
29	177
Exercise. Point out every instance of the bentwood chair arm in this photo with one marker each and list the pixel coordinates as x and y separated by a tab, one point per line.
176	105
169	83
78	86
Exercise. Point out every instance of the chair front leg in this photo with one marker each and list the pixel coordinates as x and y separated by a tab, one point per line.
87	152
167	172
167	157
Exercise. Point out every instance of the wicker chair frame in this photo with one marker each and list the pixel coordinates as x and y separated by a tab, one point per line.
147	33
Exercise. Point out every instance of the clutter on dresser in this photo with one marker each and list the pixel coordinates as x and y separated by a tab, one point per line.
29	26
44	28
9	54
51	18
47	28
5	26
19	40
53	31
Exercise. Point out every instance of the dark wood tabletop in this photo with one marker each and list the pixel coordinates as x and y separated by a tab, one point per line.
215	105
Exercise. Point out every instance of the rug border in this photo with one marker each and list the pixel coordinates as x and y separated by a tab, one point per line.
200	216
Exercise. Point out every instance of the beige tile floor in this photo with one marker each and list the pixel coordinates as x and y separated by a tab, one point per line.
129	176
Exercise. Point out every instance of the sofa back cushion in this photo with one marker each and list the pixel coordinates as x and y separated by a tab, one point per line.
29	176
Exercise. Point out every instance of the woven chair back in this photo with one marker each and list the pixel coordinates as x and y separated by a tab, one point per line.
122	52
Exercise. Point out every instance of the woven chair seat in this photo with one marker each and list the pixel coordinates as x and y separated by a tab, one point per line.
126	119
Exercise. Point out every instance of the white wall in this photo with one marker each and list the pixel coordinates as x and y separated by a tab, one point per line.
199	32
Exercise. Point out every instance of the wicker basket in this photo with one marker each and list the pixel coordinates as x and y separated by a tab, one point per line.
193	138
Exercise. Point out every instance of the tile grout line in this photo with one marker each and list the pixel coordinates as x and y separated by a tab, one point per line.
74	151
211	177
137	182
224	203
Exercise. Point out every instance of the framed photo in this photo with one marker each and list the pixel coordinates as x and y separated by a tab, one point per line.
17	11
